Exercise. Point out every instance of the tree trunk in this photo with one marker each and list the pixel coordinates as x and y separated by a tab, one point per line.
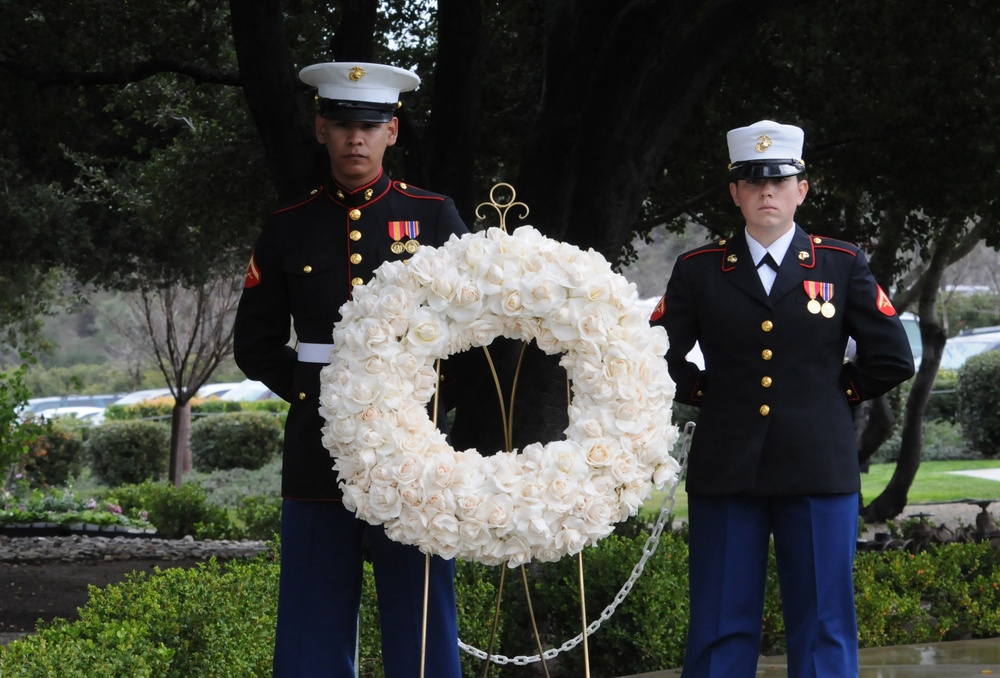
275	97
180	439
893	499
873	423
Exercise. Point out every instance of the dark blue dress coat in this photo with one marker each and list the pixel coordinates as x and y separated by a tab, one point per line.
776	393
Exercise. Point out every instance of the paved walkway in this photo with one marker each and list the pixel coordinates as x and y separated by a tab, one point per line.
985	473
957	659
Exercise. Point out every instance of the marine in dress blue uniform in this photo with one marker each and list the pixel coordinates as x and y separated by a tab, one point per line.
306	261
774	449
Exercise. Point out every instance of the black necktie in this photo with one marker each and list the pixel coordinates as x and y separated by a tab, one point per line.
769	260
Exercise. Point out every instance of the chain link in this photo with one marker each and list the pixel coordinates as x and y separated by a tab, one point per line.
648	549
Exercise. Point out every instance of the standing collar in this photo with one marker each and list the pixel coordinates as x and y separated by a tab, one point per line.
362	195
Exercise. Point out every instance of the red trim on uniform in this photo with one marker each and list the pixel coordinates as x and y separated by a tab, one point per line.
253	274
838	249
856	397
313	195
660	309
396	185
884	304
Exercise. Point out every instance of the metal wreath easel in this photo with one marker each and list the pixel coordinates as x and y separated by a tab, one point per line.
502	204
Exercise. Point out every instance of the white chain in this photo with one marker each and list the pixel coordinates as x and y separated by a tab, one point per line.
648	549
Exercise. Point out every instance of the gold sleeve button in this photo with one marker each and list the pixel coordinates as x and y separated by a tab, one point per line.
354	214
357	281
767	354
355	258
766	382
764	410
302	396
355	236
850	392
767	326
307	269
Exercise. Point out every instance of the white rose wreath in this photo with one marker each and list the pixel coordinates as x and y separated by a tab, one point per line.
546	501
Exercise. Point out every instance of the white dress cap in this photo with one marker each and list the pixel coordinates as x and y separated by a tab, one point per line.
765	149
353	81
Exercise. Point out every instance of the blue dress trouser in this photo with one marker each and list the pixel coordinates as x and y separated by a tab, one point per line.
319	593
814	542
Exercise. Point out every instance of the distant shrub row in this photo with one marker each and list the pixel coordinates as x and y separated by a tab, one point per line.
131	451
219	620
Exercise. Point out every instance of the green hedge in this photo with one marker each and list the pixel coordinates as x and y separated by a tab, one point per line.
124	452
175	511
979	402
218	620
161	408
238	440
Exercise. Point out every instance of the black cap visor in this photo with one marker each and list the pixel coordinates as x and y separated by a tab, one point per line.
356	111
766	169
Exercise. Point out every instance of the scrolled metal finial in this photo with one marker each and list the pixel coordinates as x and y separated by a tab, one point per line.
501	205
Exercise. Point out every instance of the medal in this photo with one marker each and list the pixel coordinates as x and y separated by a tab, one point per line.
826	291
411	246
397	247
827	309
812	289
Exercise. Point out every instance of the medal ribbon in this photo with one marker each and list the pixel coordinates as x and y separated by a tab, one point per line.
811	287
826	291
396	229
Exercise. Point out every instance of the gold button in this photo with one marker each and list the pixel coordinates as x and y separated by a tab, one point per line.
850	392
764	410
357	281
699	394
766	382
767	326
302	396
722	242
402	185
355	235
355	258
767	354
314	191
307	269
817	240
354	214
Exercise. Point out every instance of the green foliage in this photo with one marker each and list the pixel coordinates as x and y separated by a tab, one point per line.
175	511
56	457
260	517
238	440
218	620
943	403
211	620
128	451
948	593
161	408
228	488
979	402
628	642
17	435
941	441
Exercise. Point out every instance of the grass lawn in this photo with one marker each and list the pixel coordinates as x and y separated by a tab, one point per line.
935	483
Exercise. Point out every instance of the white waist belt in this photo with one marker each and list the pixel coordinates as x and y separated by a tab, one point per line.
315	353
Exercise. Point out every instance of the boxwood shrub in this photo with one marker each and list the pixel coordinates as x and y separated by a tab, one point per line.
123	452
238	440
978	392
218	620
176	512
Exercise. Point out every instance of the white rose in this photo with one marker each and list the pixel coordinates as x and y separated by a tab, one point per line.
483	331
428	335
384	502
599	455
495	512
